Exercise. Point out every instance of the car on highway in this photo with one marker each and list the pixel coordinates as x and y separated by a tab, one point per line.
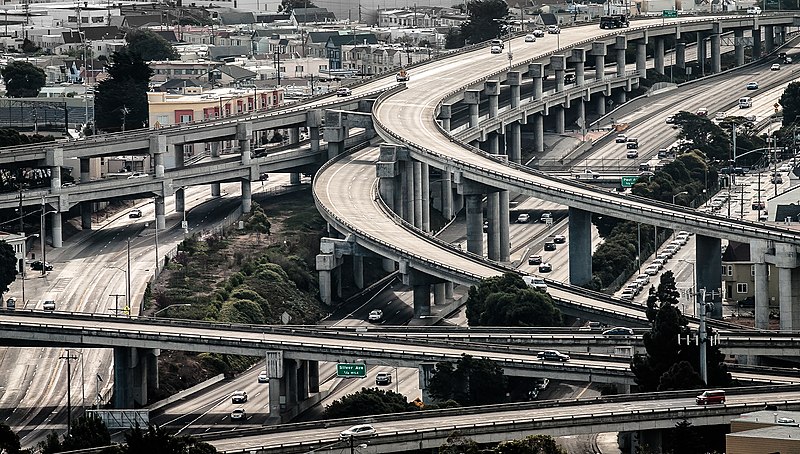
530	38
11	303
383	378
775	67
534	260
136	175
37	266
670	120
239	397
535	282
643	279
541	383
569	78
496	50
587	174
752	85
632	143
553	29
361	430
263	377
344	91
621	138
711	397
635	287
549	246
375	315
754	10
618	331
539	33
545	268
632	154
702	112
238	414
546	217
720	116
552	355
49	305
627	294
786	167
135	213
559	239
523	218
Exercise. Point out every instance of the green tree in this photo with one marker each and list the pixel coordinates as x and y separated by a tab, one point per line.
704	135
790	102
8	266
289	5
9	441
507	301
369	401
458	444
485	20
87	432
149	46
155	440
22	79
469	381
454	39
538	444
122	99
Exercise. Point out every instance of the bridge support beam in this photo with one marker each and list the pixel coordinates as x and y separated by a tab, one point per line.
86	207
158	146
580	246
247	196
135	371
492	90
445	114
579	60
680	55
620	45
514	79
417	201
55	230
473	99
536	71
701	52
559	114
769	38
327	262
216	190
493	220
425	183
600	107
494	142
313	123
786	299
599	52
658	55
439	298
447	195
709	263
473	202
514	144
538	133
407	189
758	253
180	201
160	213
294	139
505	239
738	46
716	50
558	63
756	32
641	56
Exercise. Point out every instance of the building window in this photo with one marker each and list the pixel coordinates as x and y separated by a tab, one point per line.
186	118
729	270
752	270
741	287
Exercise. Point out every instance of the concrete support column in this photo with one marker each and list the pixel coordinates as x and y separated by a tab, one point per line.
493	218
302	380
738	46
313	135
785	299
558	63
536	71
215	187
514	133
709	263
313	376
277	398
761	294
438	294
580	246
86	215
494	142
769	38
680	55
123	386
559	113
294	139
407	191
447	195
538	133
422	300
505	242
492	90
180	205
55	229
55	178
658	56
244	131
247	196
417	194
716	54
425	183
620	96
294	179
514	80
158	146
160	213
474	223
448	290
701	52
756	33
151	357
599	52
601	104
473	98
445	114
325	286
358	271
620	46
641	56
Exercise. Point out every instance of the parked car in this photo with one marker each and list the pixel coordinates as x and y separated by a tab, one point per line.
344	91
263	377
383	378
238	414
523	218
534	260
618	331
361	430
659	262
375	315
135	213
552	355
37	265
652	270
559	239
239	397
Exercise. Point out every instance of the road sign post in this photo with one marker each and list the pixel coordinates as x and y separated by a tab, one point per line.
628	181
347	370
669	13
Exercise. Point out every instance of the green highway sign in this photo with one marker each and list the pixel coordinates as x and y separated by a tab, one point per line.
628	181
357	370
669	13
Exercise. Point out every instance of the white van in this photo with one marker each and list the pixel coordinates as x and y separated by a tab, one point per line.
745	102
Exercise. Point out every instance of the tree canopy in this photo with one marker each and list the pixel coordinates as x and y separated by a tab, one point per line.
23	79
485	21
539	444
121	100
8	266
507	301
149	46
369	401
790	102
470	381
9	441
289	5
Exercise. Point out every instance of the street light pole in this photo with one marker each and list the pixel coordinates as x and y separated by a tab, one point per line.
69	358
171	305
676	195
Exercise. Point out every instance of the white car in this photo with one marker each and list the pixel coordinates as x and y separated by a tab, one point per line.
530	38
239	397
263	377
535	282
135	175
375	315
496	50
775	67
785	167
553	29
238	414
523	218
652	270
344	91
361	430
538	33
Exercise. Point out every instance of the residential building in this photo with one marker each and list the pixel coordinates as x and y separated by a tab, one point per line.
169	109
18	244
334	50
764	432
738	275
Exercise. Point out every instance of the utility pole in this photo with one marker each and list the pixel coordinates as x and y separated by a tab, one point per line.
128	275
69	358
703	334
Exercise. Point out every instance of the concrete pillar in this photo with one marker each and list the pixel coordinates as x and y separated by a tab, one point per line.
358	271
422	300
620	46
277	399
514	142
769	38
758	251
325	286
313	135
473	98
407	190
492	90
244	131
446	114
579	60
785	298
313	376
599	52
55	229
756	33
438	294
448	290
302	380
494	142
151	357
160	217
474	223
180	205
294	139
86	207
247	196
580	246
215	187
417	194
658	56
514	79
601	105
701	52
538	133
55	178
558	63
505	239
641	56
536	71
680	55
738	45
559	113
294	179
493	218
716	56
158	146
447	195
709	263
425	182
335	136
620	96
123	386
178	156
